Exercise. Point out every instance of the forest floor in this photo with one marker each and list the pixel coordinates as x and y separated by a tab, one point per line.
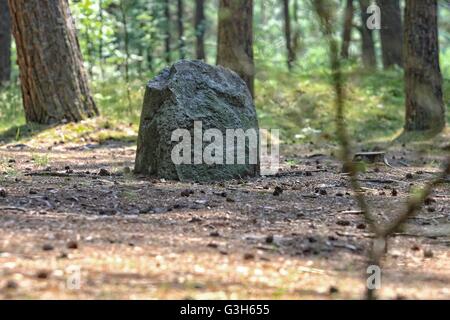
74	206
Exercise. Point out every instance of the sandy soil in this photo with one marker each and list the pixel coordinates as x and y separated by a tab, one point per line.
64	220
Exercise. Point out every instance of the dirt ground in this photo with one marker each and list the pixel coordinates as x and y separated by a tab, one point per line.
123	237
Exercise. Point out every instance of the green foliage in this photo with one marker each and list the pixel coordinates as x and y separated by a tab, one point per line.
300	103
11	111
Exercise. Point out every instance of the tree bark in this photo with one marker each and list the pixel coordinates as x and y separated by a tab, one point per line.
347	30
100	42
53	80
423	79
200	29
367	44
181	44
296	36
5	42
391	33
235	39
287	34
167	39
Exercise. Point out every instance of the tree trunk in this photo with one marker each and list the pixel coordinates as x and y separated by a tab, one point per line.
287	34
347	31
296	37
181	44
423	80
167	39
100	42
200	29
235	39
53	80
368	47
391	33
5	42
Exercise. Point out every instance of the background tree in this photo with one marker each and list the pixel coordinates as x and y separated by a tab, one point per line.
297	31
167	28
367	43
235	39
391	33
53	80
347	30
200	29
287	34
5	42
181	44
423	78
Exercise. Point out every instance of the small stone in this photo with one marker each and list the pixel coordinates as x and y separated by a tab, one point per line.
47	247
269	239
3	193
63	255
42	274
104	173
333	290
415	248
186	192
230	199
278	191
343	223
214	234
428	253
361	226
72	245
394	192
249	256
213	245
11	284
409	176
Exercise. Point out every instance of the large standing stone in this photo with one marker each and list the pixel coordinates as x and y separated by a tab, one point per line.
188	92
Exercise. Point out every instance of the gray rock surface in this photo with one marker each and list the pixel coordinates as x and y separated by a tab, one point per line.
191	91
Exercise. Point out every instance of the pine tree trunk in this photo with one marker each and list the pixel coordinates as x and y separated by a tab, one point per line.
5	42
100	41
200	29
423	79
53	80
296	39
235	39
391	33
167	39
347	30
287	34
368	47
181	44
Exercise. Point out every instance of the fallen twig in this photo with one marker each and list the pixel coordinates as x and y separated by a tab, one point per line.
55	174
13	209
